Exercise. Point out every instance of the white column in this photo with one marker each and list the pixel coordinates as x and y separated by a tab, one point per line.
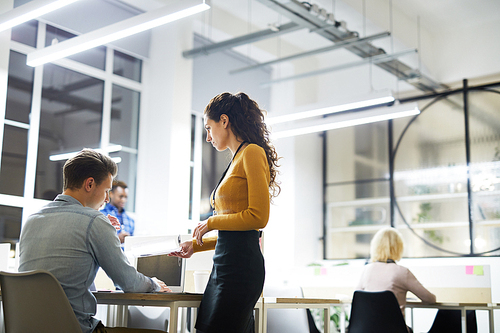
5	5
165	133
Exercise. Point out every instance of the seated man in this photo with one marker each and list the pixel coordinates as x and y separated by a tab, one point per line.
116	207
70	238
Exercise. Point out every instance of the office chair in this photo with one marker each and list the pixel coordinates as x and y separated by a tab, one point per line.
376	312
450	321
35	302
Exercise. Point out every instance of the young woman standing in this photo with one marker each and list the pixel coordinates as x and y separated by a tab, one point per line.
241	202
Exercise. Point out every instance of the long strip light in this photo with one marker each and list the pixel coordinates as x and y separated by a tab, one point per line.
125	28
349	119
67	156
380	98
29	11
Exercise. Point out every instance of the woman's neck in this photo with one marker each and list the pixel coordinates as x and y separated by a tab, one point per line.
234	145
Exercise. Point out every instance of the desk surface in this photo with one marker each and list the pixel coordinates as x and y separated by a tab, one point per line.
130	298
461	304
299	300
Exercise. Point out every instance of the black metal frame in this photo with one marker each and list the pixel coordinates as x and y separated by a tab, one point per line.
437	96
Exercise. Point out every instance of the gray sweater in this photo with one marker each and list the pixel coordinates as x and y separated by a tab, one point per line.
72	242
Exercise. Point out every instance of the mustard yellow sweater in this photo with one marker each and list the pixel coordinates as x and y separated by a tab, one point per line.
242	200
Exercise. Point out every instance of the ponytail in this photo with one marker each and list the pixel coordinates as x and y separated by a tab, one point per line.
247	124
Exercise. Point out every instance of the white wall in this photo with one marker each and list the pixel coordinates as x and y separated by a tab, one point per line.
211	77
165	127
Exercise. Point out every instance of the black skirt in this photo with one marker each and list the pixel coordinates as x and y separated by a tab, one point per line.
234	286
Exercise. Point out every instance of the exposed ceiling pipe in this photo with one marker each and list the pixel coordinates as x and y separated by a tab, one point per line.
375	60
313	52
300	13
242	40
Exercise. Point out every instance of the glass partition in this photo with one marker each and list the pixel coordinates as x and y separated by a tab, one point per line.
442	205
357	189
485	170
430	178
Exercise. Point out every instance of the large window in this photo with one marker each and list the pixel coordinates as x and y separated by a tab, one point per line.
445	177
81	102
71	118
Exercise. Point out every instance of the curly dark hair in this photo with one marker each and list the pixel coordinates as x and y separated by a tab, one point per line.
247	123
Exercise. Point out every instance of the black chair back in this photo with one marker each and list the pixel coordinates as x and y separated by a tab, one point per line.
376	312
450	321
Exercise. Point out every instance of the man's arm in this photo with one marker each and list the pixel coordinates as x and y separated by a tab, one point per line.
105	245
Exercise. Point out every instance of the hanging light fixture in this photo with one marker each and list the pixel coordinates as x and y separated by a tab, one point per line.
30	11
375	99
125	28
343	120
67	156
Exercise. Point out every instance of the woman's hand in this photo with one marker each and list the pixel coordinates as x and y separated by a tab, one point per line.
199	231
186	250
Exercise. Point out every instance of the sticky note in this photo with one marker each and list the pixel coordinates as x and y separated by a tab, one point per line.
323	270
469	270
317	271
478	270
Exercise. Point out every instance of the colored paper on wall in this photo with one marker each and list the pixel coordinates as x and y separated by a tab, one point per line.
478	270
317	271
469	270
323	270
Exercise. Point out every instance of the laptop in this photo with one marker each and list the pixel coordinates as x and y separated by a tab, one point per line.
170	270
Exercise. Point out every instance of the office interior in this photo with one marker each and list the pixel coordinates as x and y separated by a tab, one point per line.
435	176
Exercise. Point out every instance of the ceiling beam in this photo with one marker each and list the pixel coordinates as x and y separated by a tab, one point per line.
299	13
242	40
375	59
338	45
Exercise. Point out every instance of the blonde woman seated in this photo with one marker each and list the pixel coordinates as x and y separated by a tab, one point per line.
382	273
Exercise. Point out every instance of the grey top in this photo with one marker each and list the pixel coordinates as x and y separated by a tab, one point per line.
72	242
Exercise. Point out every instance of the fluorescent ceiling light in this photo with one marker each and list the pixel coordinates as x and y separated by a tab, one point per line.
125	28
348	119
29	11
381	98
67	156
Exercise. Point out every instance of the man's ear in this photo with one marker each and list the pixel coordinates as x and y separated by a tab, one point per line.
89	184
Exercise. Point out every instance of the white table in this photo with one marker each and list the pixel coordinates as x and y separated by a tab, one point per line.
463	307
298	303
118	316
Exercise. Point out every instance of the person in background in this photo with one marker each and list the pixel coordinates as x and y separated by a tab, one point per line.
70	238
383	273
241	203
116	207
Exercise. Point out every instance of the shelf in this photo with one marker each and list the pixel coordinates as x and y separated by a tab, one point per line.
359	202
412	198
432	197
416	226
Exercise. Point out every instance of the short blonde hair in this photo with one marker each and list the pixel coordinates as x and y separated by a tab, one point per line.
386	244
